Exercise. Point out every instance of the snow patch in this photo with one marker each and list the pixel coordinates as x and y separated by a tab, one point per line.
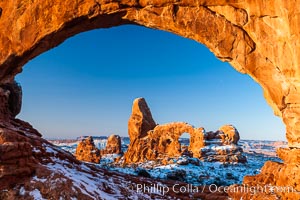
36	194
22	191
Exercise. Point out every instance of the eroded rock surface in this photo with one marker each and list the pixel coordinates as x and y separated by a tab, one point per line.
140	121
222	146
275	180
87	151
149	141
33	168
163	141
229	134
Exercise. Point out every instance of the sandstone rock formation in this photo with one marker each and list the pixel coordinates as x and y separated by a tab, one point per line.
163	140
229	134
275	180
113	145
16	153
222	146
140	121
87	151
261	39
228	154
32	168
151	142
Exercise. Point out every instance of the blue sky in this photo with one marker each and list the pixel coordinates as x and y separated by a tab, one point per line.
86	86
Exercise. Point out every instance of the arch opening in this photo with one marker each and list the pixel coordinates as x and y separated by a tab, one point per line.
184	141
103	73
103	79
236	46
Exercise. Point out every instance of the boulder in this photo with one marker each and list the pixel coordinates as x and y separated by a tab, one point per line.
10	100
229	134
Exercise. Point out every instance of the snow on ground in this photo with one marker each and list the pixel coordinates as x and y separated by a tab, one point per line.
194	171
94	184
265	148
36	194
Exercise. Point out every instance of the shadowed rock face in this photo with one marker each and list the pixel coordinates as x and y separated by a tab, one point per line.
11	100
261	39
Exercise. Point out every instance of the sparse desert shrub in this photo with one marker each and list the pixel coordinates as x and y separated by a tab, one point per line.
219	182
178	175
143	173
229	175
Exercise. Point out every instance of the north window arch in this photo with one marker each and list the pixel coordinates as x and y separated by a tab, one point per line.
230	36
82	67
255	39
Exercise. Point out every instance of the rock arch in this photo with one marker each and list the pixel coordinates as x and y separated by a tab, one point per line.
168	138
161	142
149	141
259	39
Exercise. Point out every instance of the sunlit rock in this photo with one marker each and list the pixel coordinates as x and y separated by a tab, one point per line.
113	145
87	151
163	141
